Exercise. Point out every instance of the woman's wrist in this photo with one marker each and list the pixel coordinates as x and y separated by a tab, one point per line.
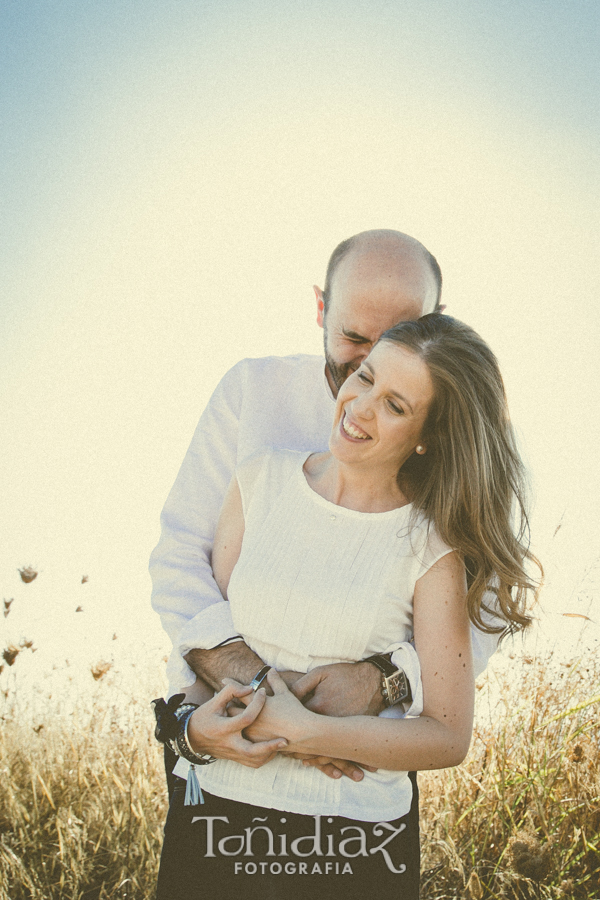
197	727
303	730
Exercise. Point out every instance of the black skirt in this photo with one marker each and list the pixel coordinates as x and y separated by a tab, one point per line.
225	849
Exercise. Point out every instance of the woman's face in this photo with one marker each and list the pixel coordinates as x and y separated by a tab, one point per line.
382	408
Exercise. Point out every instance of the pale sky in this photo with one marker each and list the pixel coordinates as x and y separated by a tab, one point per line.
174	178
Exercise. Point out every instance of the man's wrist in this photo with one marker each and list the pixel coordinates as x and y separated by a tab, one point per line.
290	677
376	704
234	660
394	685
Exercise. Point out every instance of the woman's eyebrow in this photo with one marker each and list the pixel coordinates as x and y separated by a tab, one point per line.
368	366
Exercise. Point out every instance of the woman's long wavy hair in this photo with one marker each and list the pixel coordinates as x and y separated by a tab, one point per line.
471	482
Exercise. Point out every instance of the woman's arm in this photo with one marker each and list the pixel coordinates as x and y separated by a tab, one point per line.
437	739
229	535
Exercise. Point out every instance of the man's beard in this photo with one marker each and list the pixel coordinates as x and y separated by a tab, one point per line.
339	372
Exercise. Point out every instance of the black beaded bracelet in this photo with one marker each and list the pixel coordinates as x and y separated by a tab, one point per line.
171	729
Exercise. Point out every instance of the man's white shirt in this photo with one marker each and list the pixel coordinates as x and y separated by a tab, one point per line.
273	402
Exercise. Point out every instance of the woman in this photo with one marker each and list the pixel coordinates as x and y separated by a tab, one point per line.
397	531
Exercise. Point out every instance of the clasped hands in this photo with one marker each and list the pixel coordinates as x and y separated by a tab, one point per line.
241	725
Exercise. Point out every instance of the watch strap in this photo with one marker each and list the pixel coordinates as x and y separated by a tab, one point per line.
383	663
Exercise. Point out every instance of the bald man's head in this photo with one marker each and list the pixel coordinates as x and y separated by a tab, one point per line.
374	280
390	246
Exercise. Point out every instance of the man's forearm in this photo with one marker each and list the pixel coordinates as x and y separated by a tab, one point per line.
235	660
332	690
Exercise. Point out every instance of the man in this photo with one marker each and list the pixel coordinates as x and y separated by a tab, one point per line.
374	280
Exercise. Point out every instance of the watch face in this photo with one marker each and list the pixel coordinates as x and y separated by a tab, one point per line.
397	687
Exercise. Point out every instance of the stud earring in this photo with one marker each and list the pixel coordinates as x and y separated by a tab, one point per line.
420	449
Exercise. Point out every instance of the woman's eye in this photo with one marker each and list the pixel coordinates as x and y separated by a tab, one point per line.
364	378
396	409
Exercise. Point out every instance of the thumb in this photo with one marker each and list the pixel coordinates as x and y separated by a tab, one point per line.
305	685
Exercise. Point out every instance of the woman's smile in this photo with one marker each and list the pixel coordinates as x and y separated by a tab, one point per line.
351	431
383	406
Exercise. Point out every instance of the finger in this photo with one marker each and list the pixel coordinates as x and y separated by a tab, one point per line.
344	766
277	683
260	761
263	748
317	761
326	768
312	704
349	769
238	684
243	692
294	755
305	685
248	715
231	691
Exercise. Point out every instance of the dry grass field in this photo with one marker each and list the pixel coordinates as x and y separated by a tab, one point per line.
83	800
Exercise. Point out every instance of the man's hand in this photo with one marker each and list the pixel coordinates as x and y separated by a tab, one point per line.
341	689
334	768
211	730
235	660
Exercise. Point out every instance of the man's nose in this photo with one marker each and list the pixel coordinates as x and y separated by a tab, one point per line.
363	352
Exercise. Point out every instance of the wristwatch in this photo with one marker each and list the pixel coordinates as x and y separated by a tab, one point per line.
395	686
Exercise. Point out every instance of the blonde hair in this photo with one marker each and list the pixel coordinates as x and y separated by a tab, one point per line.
471	482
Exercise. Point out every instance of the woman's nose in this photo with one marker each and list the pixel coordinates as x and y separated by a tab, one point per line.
361	407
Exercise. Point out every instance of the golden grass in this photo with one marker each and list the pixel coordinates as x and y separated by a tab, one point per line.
82	804
521	817
83	799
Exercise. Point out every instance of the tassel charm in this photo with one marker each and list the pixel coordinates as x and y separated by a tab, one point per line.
193	793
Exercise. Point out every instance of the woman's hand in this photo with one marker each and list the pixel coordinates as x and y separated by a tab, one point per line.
274	715
280	714
212	730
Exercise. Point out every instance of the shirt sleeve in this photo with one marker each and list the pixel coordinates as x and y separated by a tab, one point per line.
247	474
184	592
213	625
404	656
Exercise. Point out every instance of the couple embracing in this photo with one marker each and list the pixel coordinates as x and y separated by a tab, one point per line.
342	548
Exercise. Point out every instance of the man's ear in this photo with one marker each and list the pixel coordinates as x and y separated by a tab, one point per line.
320	305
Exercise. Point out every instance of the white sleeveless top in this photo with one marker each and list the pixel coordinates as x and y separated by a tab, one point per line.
316	583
